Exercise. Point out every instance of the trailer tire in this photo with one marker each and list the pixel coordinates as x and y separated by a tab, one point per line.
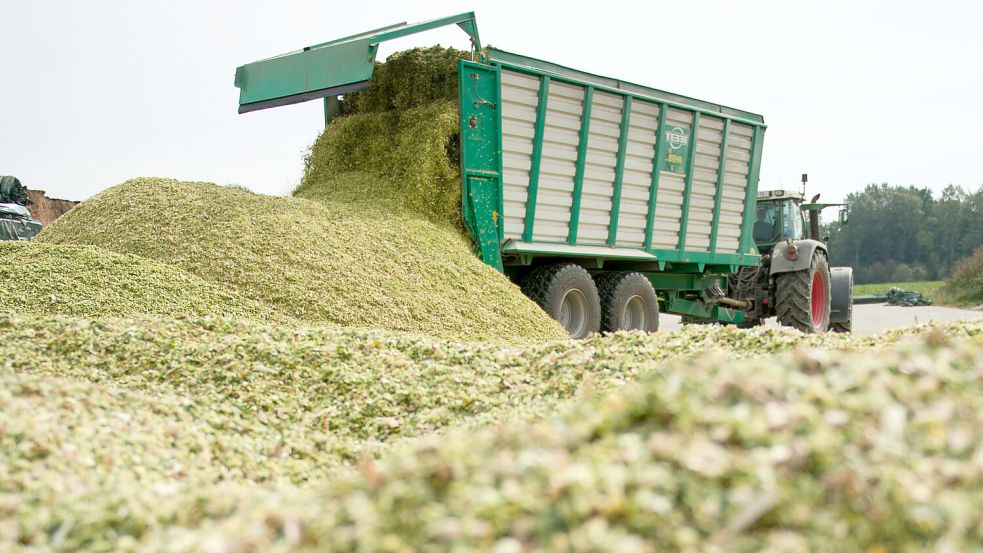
567	293
628	302
802	298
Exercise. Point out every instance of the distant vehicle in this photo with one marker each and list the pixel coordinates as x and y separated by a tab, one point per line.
16	222
606	201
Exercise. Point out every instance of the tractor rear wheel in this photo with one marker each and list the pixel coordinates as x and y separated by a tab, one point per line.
567	293
628	302
802	298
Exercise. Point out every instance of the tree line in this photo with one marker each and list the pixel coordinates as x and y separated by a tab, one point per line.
905	233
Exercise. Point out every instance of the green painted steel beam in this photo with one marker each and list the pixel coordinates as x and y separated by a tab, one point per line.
578	178
619	172
559	73
500	155
543	248
751	192
480	140
718	195
659	154
688	186
715	312
327	69
466	21
680	281
537	157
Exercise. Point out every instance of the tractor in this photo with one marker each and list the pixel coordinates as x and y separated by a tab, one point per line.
794	281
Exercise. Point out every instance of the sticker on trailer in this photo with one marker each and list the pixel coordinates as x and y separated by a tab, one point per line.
677	149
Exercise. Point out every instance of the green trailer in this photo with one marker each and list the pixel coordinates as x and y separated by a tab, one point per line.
607	201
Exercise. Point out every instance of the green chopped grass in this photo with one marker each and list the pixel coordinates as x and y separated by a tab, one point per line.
138	435
316	262
409	79
45	279
390	163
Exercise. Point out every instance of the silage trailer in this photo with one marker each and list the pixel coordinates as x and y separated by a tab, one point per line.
606	201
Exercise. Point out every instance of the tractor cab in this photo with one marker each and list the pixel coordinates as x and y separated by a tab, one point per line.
782	217
779	218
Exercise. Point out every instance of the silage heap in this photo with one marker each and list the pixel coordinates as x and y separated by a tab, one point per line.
86	281
314	262
215	435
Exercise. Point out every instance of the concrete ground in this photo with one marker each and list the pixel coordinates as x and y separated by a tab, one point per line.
874	318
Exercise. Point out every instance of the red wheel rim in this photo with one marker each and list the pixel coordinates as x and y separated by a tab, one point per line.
818	299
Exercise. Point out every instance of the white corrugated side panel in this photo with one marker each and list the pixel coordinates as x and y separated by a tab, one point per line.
636	180
561	135
602	159
704	187
520	94
669	201
738	158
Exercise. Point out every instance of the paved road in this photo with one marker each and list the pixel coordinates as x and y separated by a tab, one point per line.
873	318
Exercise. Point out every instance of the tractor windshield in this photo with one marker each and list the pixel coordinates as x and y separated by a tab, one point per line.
778	220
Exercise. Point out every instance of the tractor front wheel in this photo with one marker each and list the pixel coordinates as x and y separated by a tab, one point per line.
802	298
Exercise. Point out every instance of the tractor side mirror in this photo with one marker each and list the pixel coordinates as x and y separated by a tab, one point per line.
844	217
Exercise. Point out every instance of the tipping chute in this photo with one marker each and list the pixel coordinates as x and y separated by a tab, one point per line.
328	69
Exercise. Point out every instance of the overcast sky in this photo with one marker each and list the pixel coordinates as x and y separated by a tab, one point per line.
93	93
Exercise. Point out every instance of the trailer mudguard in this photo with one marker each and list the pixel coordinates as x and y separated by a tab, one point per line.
841	294
781	263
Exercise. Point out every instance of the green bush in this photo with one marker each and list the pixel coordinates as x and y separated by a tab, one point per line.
966	284
910	273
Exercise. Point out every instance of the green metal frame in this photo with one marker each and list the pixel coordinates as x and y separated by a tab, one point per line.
688	188
710	260
751	192
688	282
660	153
674	303
329	68
481	175
537	154
578	179
619	171
561	73
719	192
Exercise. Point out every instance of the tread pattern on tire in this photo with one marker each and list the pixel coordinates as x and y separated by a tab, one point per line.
845	327
607	284
793	296
540	282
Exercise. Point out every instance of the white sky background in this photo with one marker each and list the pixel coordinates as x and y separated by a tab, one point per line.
93	93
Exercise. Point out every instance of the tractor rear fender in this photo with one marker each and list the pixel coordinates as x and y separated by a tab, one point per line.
781	262
841	294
